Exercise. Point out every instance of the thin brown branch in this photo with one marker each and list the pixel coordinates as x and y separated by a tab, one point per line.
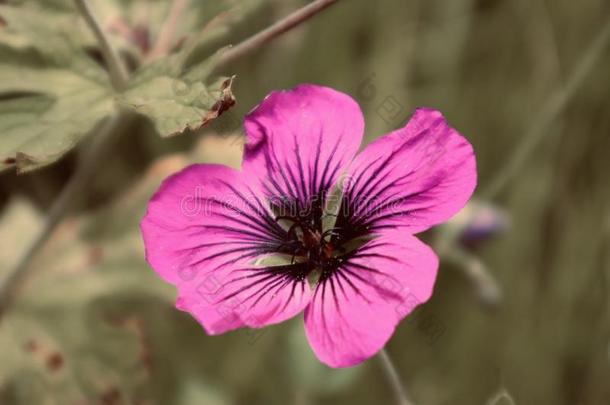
275	30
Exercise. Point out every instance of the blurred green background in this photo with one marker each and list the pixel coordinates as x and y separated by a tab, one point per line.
92	324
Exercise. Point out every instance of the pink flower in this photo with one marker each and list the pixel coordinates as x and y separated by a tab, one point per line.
253	247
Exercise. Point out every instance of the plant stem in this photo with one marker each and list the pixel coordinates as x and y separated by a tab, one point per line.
166	35
555	105
486	287
393	378
273	31
116	68
533	136
87	168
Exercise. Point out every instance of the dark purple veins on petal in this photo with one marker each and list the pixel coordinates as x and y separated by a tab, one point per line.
290	223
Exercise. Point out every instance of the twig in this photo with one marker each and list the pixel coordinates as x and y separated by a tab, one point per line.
266	35
393	378
116	68
166	34
88	166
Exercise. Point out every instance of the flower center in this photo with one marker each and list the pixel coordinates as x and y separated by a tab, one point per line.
307	242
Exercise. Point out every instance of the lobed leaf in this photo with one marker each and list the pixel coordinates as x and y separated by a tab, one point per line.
51	110
54	89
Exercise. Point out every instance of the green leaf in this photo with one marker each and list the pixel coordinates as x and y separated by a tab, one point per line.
53	92
53	110
175	104
58	38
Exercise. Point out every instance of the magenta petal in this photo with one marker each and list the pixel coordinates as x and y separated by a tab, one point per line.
244	295
202	231
415	177
299	140
354	312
